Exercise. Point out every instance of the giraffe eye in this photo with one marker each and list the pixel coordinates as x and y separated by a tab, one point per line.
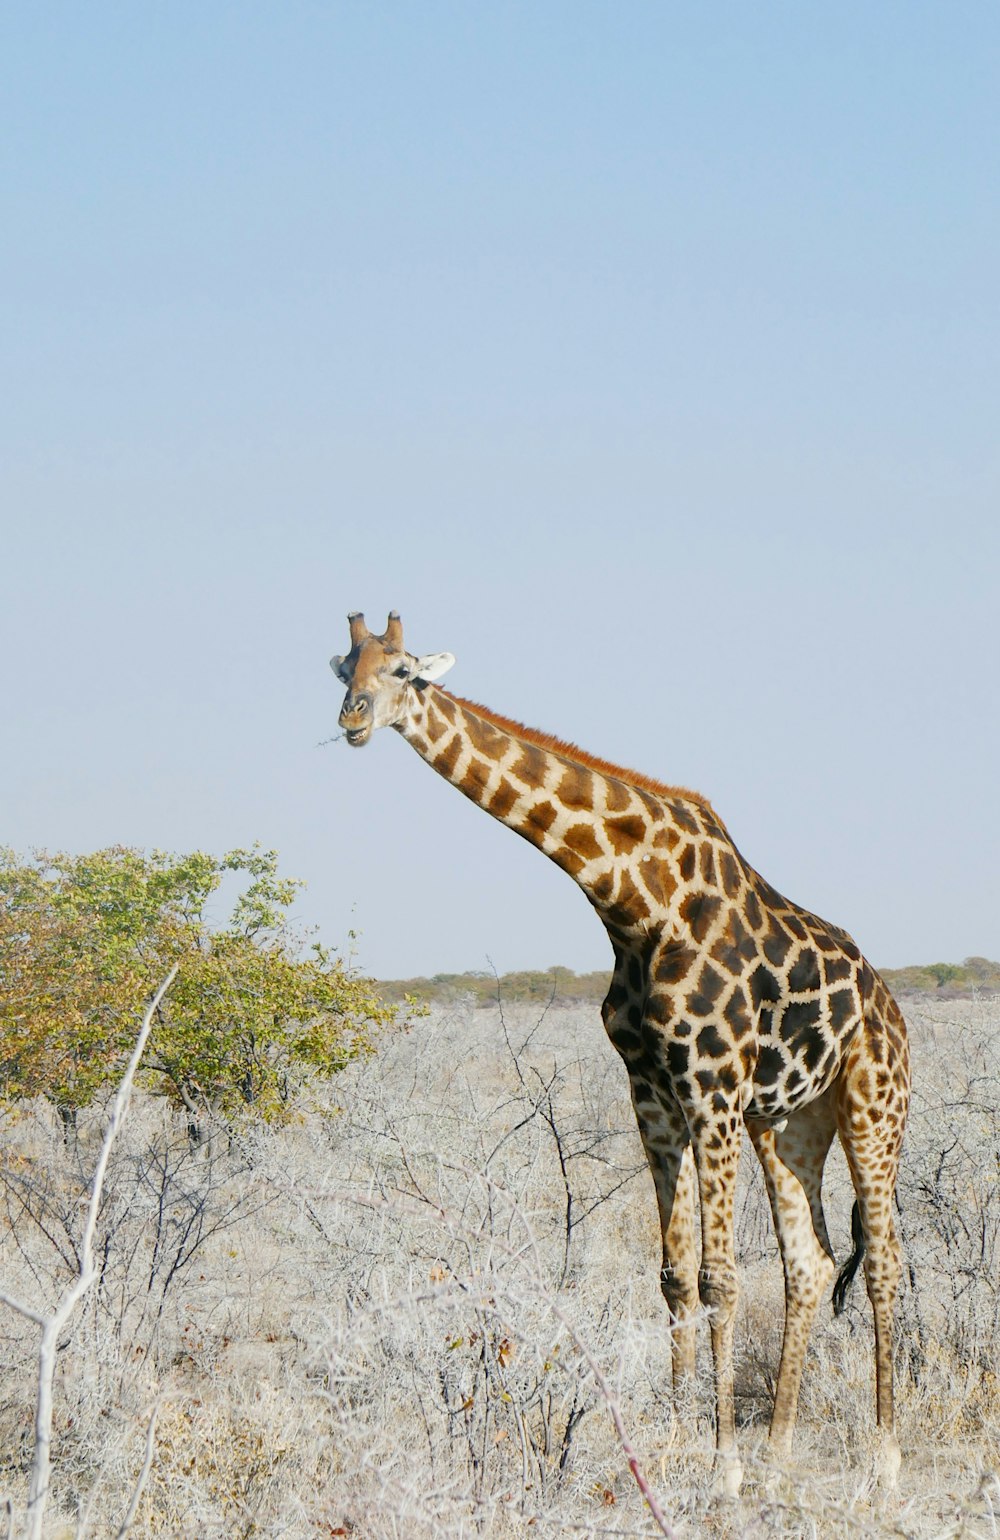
400	673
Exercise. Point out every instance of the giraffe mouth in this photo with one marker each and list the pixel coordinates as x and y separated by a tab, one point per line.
356	736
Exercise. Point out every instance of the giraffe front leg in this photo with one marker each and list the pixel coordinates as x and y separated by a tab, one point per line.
717	1151
668	1150
665	1141
699	1062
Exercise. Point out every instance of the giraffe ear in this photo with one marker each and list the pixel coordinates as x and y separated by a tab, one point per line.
337	664
432	667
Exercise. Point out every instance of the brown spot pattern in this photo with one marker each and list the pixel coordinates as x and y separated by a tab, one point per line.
625	833
448	757
657	881
473	782
540	817
485	738
531	766
503	799
436	725
576	789
580	837
617	796
629	906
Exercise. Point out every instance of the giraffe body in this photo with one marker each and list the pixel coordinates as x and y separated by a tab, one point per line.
728	1004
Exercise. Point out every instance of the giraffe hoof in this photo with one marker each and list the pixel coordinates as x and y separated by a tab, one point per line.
766	1479
773	1475
727	1477
770	1485
888	1459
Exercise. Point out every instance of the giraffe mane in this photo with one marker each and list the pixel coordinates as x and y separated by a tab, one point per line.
578	756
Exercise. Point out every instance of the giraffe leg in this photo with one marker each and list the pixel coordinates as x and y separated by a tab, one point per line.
792	1161
668	1150
665	1141
709	1099
717	1158
871	1133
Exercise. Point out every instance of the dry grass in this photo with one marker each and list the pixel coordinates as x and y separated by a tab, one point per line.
395	1318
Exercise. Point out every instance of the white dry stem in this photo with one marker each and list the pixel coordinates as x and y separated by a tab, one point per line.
615	1413
403	1203
138	1486
52	1325
142	1478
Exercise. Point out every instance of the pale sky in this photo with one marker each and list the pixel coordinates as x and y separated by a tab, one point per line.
645	356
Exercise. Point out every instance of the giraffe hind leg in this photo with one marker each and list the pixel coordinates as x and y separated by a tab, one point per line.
871	1127
792	1159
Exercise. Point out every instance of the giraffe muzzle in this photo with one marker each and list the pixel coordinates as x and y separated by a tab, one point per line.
356	718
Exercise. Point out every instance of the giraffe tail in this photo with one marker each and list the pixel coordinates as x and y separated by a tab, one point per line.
846	1275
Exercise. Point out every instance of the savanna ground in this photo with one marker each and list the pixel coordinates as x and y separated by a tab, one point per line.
412	1312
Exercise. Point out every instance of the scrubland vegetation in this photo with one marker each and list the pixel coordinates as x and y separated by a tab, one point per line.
426	1304
351	1269
562	986
257	1010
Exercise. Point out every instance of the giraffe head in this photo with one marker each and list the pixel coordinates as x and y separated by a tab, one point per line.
378	673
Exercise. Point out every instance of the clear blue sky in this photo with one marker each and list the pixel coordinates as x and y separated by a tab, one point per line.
645	356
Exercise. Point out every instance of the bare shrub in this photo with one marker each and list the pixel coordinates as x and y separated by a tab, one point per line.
414	1312
950	1218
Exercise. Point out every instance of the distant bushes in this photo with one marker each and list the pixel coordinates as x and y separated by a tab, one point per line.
561	986
950	979
534	986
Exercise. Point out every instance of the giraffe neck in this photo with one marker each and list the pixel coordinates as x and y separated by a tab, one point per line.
611	831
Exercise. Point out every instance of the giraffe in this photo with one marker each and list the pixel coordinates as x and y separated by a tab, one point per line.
730	1006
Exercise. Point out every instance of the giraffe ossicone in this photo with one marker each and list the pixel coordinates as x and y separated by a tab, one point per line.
729	1004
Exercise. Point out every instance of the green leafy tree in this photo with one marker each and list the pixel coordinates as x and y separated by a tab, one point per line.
253	1016
982	971
944	973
